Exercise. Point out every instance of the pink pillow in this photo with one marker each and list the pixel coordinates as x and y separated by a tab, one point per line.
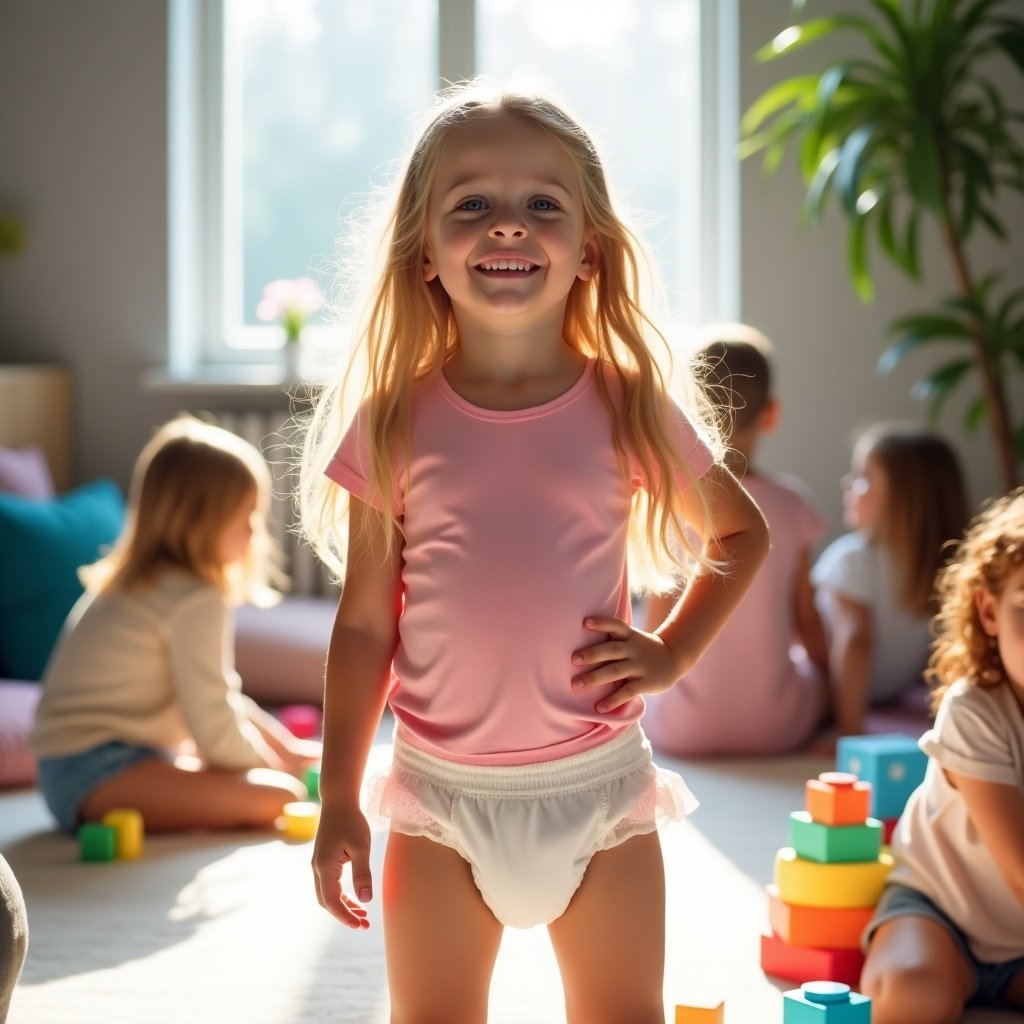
17	715
23	471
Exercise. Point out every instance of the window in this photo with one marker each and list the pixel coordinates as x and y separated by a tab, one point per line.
284	113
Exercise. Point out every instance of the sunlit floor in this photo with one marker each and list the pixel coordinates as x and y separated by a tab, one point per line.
226	928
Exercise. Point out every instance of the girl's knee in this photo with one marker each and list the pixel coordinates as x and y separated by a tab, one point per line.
911	995
268	794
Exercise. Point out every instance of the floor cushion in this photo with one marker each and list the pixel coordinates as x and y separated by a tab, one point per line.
280	652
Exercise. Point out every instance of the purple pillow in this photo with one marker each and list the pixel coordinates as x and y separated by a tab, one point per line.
23	471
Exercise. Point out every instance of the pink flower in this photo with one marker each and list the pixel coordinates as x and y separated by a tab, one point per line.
290	301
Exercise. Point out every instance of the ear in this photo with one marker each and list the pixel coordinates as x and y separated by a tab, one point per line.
429	270
769	418
590	259
985	604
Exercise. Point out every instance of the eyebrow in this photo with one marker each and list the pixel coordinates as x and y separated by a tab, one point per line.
473	179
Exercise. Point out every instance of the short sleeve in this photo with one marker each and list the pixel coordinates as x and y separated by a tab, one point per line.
970	736
845	567
349	466
692	447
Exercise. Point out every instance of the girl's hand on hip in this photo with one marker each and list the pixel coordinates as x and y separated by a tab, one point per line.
639	662
343	837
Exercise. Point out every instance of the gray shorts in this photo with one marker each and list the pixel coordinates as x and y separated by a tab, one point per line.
65	782
990	979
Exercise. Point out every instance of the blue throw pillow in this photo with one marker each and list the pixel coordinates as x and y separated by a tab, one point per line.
42	545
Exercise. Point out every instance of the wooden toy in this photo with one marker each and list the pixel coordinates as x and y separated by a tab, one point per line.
810	884
127	824
97	842
833	844
893	763
702	1014
823	927
837	798
825	1002
888	827
303	720
312	780
804	963
300	819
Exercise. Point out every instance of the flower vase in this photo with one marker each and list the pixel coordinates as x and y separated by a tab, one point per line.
292	359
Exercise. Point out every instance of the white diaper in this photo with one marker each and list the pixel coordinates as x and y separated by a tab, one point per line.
529	831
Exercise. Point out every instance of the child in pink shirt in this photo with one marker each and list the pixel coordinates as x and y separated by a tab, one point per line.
514	438
760	687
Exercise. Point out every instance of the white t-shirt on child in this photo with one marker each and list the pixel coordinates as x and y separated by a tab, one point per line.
938	851
854	568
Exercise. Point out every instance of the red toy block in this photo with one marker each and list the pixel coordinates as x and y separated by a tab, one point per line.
806	963
303	720
888	827
837	798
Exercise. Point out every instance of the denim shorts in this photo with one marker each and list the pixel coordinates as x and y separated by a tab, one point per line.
990	979
65	782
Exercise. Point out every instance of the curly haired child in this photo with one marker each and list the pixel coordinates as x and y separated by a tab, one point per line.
949	929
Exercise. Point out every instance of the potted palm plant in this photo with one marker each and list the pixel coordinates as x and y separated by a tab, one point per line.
907	128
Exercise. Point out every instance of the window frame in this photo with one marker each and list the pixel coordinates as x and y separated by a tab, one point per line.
204	214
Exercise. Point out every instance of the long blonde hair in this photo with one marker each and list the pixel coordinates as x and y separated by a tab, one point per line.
188	482
990	551
407	331
925	510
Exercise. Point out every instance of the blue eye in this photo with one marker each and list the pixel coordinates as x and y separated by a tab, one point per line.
544	205
472	205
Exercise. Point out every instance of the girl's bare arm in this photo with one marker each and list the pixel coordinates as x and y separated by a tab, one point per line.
358	670
644	662
997	811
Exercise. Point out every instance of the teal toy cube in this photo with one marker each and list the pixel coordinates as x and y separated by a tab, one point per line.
893	763
97	842
312	780
834	844
825	1002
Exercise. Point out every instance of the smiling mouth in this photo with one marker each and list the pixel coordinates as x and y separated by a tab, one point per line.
503	265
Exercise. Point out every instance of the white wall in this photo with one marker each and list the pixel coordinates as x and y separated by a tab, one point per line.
83	163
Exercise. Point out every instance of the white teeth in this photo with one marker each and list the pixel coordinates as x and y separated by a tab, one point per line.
506	265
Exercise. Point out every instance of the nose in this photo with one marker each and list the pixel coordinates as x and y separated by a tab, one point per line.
507	224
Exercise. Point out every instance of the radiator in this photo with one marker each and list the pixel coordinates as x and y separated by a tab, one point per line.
267	430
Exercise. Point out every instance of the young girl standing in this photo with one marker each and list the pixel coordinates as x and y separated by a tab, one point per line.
904	500
514	415
143	670
949	929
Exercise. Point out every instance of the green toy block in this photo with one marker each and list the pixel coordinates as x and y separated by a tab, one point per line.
834	844
97	842
312	780
825	1002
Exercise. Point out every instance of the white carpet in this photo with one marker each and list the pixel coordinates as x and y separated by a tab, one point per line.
220	929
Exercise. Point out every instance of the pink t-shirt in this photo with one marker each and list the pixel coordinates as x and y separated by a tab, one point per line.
515	528
753	691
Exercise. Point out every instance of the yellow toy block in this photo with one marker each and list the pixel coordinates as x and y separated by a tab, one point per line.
300	819
810	884
818	927
703	1014
128	827
837	798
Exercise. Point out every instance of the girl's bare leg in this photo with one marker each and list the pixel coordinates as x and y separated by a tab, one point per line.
1014	991
610	942
916	974
170	797
441	938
